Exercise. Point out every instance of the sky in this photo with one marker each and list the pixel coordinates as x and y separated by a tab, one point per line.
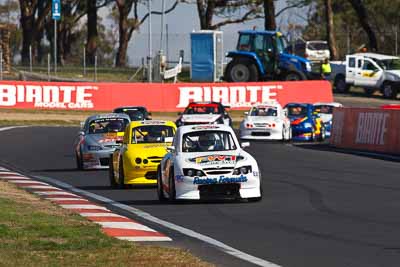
181	22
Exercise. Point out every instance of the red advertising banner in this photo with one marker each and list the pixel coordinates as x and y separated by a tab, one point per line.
156	96
370	129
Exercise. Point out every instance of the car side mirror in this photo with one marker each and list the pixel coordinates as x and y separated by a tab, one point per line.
245	144
246	113
81	133
171	148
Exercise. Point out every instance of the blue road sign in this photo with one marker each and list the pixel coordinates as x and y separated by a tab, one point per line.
56	9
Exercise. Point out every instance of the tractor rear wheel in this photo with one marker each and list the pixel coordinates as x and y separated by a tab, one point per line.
241	70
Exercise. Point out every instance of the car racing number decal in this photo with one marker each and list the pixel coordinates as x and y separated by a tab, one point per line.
214	160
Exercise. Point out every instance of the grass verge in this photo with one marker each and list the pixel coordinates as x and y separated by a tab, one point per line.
35	232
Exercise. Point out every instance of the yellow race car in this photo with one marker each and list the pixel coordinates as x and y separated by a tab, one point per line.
144	145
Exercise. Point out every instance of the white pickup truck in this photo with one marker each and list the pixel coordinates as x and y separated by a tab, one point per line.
370	71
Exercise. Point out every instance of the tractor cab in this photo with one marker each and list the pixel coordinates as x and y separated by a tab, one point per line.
260	55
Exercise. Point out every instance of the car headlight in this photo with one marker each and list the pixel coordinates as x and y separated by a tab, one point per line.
242	170
193	172
94	148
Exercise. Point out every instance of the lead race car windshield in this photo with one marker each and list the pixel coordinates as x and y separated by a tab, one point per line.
151	134
107	125
297	111
203	109
208	141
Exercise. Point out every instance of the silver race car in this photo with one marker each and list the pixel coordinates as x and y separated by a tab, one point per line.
97	140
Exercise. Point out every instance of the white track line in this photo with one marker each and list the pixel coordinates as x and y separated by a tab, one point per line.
144	238
125	225
218	244
66	198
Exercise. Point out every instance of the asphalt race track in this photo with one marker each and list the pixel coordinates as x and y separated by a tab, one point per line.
320	208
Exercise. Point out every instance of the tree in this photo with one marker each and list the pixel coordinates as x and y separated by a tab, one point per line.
330	29
362	15
128	25
227	11
32	24
269	14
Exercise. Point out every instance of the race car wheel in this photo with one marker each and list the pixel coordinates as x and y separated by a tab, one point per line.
79	162
171	182
121	178
160	191
313	136
111	175
322	134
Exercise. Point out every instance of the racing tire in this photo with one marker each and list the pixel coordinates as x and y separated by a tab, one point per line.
322	135
111	176
313	136
293	76
368	91
79	163
389	91
340	85
160	191
121	178
171	183
241	70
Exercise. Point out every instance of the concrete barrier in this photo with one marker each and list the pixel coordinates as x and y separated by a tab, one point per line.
376	130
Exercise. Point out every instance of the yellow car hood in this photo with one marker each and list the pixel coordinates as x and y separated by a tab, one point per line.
148	150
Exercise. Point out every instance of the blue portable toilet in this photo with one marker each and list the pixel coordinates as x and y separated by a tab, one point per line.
206	56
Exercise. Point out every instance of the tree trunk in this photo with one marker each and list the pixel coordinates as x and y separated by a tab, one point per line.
362	15
330	29
269	14
92	34
27	24
205	12
123	37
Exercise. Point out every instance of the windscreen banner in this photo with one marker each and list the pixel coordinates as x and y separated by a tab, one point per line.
369	129
156	96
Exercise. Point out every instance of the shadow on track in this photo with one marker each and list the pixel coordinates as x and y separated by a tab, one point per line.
363	153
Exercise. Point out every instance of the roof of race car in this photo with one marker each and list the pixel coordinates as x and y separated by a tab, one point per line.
334	104
123	108
267	104
204	104
109	116
204	127
134	124
298	104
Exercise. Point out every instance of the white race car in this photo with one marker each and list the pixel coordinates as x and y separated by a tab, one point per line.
266	121
207	162
204	113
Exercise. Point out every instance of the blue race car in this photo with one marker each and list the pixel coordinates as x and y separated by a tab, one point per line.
306	126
